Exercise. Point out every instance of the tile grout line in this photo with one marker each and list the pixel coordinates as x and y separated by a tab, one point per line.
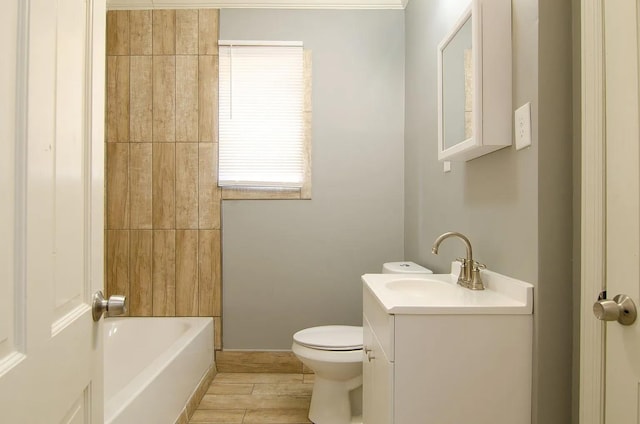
197	55
130	209
153	148
175	164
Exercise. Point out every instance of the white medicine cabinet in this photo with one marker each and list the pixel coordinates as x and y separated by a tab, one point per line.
474	83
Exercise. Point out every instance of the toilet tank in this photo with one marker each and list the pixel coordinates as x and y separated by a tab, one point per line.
405	267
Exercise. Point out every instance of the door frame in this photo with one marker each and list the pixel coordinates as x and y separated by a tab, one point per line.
593	212
95	161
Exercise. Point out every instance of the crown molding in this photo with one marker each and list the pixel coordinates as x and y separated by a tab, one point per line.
255	4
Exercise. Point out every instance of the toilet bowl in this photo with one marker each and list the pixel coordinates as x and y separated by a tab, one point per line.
334	353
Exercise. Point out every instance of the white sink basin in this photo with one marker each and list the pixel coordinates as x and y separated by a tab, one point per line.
440	294
424	287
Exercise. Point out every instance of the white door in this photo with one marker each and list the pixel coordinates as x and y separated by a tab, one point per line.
622	151
51	195
610	353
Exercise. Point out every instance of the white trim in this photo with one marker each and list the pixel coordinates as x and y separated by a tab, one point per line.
95	122
20	214
69	318
11	361
593	213
95	180
260	43
255	4
88	151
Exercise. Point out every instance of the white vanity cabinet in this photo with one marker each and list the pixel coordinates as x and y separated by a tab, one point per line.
438	367
377	375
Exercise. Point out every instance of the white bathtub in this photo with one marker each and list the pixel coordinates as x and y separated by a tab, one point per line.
152	366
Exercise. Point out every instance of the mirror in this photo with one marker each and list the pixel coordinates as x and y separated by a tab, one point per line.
457	83
474	96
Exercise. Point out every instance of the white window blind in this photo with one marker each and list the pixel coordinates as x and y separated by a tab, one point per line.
261	98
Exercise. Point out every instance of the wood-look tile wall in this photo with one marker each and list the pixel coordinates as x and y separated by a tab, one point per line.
163	203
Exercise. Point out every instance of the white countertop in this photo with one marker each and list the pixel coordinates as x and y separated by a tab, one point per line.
439	294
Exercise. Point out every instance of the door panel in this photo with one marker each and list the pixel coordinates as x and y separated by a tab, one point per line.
377	376
622	144
8	37
69	191
368	408
383	385
51	214
78	412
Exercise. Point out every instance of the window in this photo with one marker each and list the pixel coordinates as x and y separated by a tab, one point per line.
264	127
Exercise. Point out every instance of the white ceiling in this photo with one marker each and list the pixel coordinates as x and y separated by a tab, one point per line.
268	4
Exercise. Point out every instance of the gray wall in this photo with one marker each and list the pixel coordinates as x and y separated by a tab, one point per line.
288	265
555	213
515	206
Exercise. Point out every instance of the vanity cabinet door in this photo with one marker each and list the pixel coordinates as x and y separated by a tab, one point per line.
367	373
377	381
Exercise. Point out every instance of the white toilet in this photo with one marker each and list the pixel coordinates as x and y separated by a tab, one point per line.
334	353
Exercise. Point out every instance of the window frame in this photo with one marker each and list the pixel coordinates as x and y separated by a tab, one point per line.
277	193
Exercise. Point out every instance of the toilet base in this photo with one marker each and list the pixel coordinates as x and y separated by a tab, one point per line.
331	401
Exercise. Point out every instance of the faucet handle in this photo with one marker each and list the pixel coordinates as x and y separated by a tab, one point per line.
462	277
477	266
476	280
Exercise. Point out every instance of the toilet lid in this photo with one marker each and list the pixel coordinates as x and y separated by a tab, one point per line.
330	337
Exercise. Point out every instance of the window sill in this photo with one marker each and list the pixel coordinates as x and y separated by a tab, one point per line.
229	193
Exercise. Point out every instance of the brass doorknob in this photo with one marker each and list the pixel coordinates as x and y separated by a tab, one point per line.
621	309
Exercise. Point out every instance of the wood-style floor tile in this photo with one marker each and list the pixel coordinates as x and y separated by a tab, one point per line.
254	402
276	416
282	362
255	398
208	416
255	378
288	389
230	389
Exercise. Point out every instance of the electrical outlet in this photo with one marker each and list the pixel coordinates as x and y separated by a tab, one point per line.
523	126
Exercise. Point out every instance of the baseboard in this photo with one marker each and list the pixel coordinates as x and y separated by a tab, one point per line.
196	396
259	361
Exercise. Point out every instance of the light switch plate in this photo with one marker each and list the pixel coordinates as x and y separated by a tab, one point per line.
446	166
523	126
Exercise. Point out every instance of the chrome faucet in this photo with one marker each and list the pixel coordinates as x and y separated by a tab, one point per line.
469	269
